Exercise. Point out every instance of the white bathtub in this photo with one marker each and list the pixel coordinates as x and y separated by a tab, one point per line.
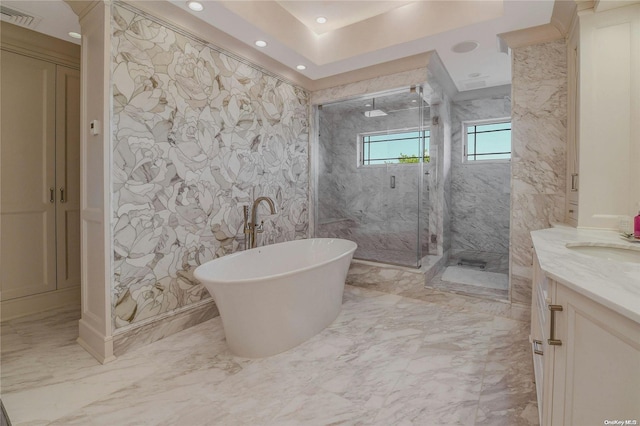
275	297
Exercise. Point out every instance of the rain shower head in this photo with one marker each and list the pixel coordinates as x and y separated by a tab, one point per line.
374	112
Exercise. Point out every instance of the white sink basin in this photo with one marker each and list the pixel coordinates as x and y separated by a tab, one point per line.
615	253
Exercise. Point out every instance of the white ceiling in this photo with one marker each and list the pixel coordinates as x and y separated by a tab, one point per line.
55	17
338	13
373	32
359	33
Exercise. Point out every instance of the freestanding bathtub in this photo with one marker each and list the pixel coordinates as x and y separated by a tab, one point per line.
273	298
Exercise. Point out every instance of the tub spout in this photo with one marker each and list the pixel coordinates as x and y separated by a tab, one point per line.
254	227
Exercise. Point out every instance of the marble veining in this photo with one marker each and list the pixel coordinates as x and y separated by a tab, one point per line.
480	192
538	139
387	359
197	134
612	283
357	202
372	85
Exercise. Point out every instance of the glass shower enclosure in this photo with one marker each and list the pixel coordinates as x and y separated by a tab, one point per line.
372	175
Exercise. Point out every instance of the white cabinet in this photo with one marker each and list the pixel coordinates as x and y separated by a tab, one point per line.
593	374
603	116
39	177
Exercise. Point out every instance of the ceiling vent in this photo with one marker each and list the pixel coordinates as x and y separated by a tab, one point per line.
20	18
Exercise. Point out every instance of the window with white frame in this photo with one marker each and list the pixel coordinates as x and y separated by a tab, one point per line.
393	147
487	140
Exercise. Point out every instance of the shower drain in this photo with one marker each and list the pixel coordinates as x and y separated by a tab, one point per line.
474	263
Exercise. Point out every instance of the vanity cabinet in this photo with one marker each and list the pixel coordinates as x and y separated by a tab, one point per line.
591	370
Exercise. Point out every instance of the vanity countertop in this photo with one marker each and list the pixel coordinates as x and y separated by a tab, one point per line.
612	283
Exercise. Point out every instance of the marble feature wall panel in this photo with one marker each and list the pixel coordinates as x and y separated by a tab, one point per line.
480	192
414	77
539	117
197	134
358	203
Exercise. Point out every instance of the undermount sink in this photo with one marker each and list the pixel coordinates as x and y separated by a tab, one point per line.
615	253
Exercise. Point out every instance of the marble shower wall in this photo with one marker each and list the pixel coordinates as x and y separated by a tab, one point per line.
358	203
197	134
539	118
480	193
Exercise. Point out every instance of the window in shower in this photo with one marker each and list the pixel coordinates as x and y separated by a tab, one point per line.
487	140
393	147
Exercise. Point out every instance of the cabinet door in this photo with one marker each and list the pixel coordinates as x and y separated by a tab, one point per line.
68	177
597	368
27	163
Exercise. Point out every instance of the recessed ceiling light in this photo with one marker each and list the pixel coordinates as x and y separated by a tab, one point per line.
261	43
465	46
74	34
474	75
196	6
301	67
321	20
414	101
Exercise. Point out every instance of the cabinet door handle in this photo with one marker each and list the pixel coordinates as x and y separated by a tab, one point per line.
62	199
537	344
574	182
552	332
52	195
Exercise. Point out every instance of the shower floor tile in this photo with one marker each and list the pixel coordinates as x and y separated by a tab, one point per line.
387	359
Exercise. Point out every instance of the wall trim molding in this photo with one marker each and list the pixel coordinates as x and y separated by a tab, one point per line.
40	46
28	305
94	342
533	35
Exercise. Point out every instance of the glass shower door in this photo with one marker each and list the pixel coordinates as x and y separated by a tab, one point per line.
370	175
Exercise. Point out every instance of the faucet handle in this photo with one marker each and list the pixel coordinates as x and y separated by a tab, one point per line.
247	225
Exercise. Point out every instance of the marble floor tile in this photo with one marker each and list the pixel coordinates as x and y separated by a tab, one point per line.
436	359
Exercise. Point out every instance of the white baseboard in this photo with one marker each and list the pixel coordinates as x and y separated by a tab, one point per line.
28	305
94	342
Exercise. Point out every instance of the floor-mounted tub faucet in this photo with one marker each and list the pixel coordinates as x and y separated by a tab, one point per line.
251	226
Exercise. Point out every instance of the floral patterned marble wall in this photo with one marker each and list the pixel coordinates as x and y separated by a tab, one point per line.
197	134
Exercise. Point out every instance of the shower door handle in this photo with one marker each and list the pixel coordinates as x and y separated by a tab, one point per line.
393	181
